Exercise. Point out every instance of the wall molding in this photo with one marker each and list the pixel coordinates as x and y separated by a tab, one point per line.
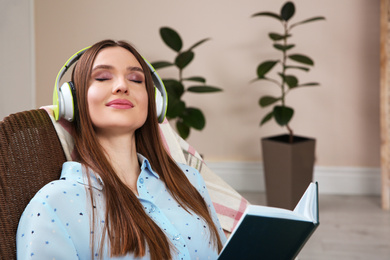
249	176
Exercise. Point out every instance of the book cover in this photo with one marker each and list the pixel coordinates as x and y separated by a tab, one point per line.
274	233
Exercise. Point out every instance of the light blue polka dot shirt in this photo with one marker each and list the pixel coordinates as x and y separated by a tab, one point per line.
56	224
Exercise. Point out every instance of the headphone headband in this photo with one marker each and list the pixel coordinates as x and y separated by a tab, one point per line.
61	100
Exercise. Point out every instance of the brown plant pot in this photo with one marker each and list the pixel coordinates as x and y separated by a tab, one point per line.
288	169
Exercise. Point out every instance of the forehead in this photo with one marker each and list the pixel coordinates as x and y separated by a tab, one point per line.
116	57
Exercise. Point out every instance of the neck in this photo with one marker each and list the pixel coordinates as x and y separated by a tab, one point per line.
121	152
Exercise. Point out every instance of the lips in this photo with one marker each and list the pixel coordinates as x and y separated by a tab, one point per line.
120	104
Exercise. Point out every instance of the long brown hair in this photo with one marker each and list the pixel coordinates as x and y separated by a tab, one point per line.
127	226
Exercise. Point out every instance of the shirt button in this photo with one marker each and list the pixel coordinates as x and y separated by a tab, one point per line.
141	180
153	208
176	237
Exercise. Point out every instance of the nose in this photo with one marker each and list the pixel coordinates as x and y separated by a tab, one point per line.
120	87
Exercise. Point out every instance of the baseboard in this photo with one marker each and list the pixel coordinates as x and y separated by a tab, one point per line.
249	176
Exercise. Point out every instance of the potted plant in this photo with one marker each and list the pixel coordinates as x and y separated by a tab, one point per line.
288	159
186	117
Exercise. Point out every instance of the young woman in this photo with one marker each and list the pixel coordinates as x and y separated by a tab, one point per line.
124	198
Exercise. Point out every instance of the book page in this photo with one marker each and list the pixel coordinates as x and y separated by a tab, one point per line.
306	209
308	204
275	213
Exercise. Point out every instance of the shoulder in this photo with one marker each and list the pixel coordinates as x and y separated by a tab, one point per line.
63	195
58	197
193	176
66	186
61	191
189	171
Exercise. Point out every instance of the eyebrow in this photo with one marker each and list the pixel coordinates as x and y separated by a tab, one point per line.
109	67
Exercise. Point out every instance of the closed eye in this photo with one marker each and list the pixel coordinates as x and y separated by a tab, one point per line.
101	79
102	75
136	77
137	81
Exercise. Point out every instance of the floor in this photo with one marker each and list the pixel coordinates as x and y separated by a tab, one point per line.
351	227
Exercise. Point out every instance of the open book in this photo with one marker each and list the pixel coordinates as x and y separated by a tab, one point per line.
274	233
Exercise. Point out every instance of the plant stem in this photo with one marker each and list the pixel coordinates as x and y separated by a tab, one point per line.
284	91
291	134
283	86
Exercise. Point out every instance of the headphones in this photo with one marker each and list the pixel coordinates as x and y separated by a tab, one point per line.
64	97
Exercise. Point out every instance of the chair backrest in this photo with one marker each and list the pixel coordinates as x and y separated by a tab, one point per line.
30	157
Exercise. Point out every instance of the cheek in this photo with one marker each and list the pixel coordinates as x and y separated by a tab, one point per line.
93	95
94	98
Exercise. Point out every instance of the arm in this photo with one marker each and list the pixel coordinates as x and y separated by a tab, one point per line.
197	180
42	235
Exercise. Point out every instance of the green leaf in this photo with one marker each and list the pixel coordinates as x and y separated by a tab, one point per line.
174	88
283	47
203	89
317	18
183	59
267	100
199	43
297	67
197	79
283	114
175	108
287	11
278	37
184	130
265	67
291	81
161	64
269	14
302	59
171	38
194	118
268	117
310	84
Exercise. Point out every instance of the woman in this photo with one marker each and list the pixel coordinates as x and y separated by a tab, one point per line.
125	197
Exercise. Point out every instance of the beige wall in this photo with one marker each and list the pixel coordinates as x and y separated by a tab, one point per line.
342	114
17	90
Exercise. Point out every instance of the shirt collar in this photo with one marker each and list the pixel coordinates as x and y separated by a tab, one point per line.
74	170
145	165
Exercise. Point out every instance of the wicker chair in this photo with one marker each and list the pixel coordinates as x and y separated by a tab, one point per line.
30	156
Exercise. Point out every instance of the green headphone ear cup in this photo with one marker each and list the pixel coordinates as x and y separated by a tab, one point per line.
161	96
59	96
56	105
68	100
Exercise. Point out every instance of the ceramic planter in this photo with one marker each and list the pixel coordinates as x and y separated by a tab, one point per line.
288	169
